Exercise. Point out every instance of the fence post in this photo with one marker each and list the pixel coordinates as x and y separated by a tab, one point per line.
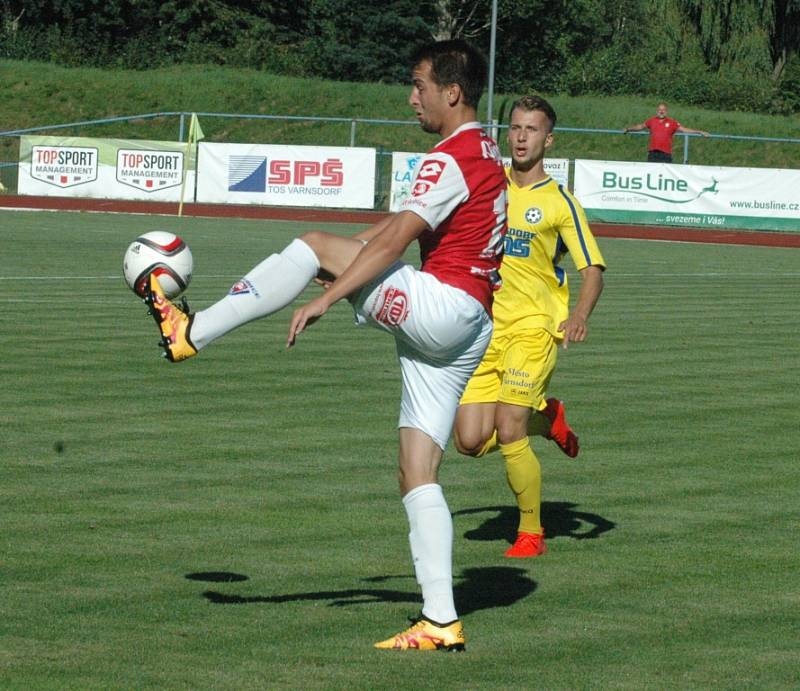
379	163
685	148
180	128
353	132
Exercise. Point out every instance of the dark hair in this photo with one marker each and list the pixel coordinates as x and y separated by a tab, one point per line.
456	62
531	103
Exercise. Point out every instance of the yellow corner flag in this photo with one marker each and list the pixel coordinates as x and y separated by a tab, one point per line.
195	135
195	132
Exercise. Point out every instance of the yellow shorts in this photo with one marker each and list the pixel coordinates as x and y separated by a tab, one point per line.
516	369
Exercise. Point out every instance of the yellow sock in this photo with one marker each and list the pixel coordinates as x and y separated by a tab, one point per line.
524	476
489	446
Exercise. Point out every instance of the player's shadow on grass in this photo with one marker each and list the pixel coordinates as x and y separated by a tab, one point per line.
478	588
216	576
559	519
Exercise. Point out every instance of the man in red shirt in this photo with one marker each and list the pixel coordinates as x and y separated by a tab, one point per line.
662	129
439	315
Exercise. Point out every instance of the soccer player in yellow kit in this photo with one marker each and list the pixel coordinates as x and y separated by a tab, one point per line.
504	401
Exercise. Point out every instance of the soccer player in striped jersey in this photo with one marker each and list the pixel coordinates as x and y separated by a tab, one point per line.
505	400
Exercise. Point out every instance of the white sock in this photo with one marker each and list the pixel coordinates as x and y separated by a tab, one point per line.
431	539
269	287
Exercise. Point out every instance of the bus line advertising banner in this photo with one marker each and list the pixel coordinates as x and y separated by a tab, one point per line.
104	168
682	195
404	167
338	177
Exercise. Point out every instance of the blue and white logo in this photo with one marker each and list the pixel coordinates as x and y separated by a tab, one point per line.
247	174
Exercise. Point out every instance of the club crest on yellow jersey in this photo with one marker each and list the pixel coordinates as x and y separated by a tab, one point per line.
534	215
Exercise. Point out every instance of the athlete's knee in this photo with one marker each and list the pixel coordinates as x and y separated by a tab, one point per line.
468	442
510	431
409	478
315	239
511	423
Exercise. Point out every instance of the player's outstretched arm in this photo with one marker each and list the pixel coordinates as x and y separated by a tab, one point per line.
575	327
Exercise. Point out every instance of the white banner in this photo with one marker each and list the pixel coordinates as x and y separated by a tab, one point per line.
556	168
672	194
339	177
404	165
104	168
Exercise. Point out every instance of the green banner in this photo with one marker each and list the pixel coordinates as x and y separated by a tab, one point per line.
691	220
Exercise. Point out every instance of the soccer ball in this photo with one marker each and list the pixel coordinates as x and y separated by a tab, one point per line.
160	253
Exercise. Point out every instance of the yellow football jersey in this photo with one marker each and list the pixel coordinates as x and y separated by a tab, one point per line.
544	222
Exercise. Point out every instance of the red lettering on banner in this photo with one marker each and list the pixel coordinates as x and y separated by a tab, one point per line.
394	309
329	172
280	172
304	169
132	160
332	175
46	156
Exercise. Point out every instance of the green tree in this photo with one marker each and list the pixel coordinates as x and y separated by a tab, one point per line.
784	33
747	33
537	41
356	41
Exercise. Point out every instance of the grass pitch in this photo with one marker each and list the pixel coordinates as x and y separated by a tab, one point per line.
233	522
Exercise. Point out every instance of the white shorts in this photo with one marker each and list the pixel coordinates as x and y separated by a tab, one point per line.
441	334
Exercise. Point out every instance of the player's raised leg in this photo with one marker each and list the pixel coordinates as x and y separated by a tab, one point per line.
267	288
551	423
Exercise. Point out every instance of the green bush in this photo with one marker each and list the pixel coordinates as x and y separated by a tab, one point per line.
609	72
688	81
736	89
787	91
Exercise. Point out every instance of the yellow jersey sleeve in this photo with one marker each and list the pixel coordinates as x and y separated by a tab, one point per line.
544	223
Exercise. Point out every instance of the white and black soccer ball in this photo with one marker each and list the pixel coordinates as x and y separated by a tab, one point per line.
163	254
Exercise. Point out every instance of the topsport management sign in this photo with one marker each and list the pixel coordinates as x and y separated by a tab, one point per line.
679	195
64	166
103	168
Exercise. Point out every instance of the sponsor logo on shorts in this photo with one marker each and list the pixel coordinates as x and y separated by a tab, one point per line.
244	287
394	309
429	173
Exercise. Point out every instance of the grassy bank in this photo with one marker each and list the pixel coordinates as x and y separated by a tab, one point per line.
37	94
